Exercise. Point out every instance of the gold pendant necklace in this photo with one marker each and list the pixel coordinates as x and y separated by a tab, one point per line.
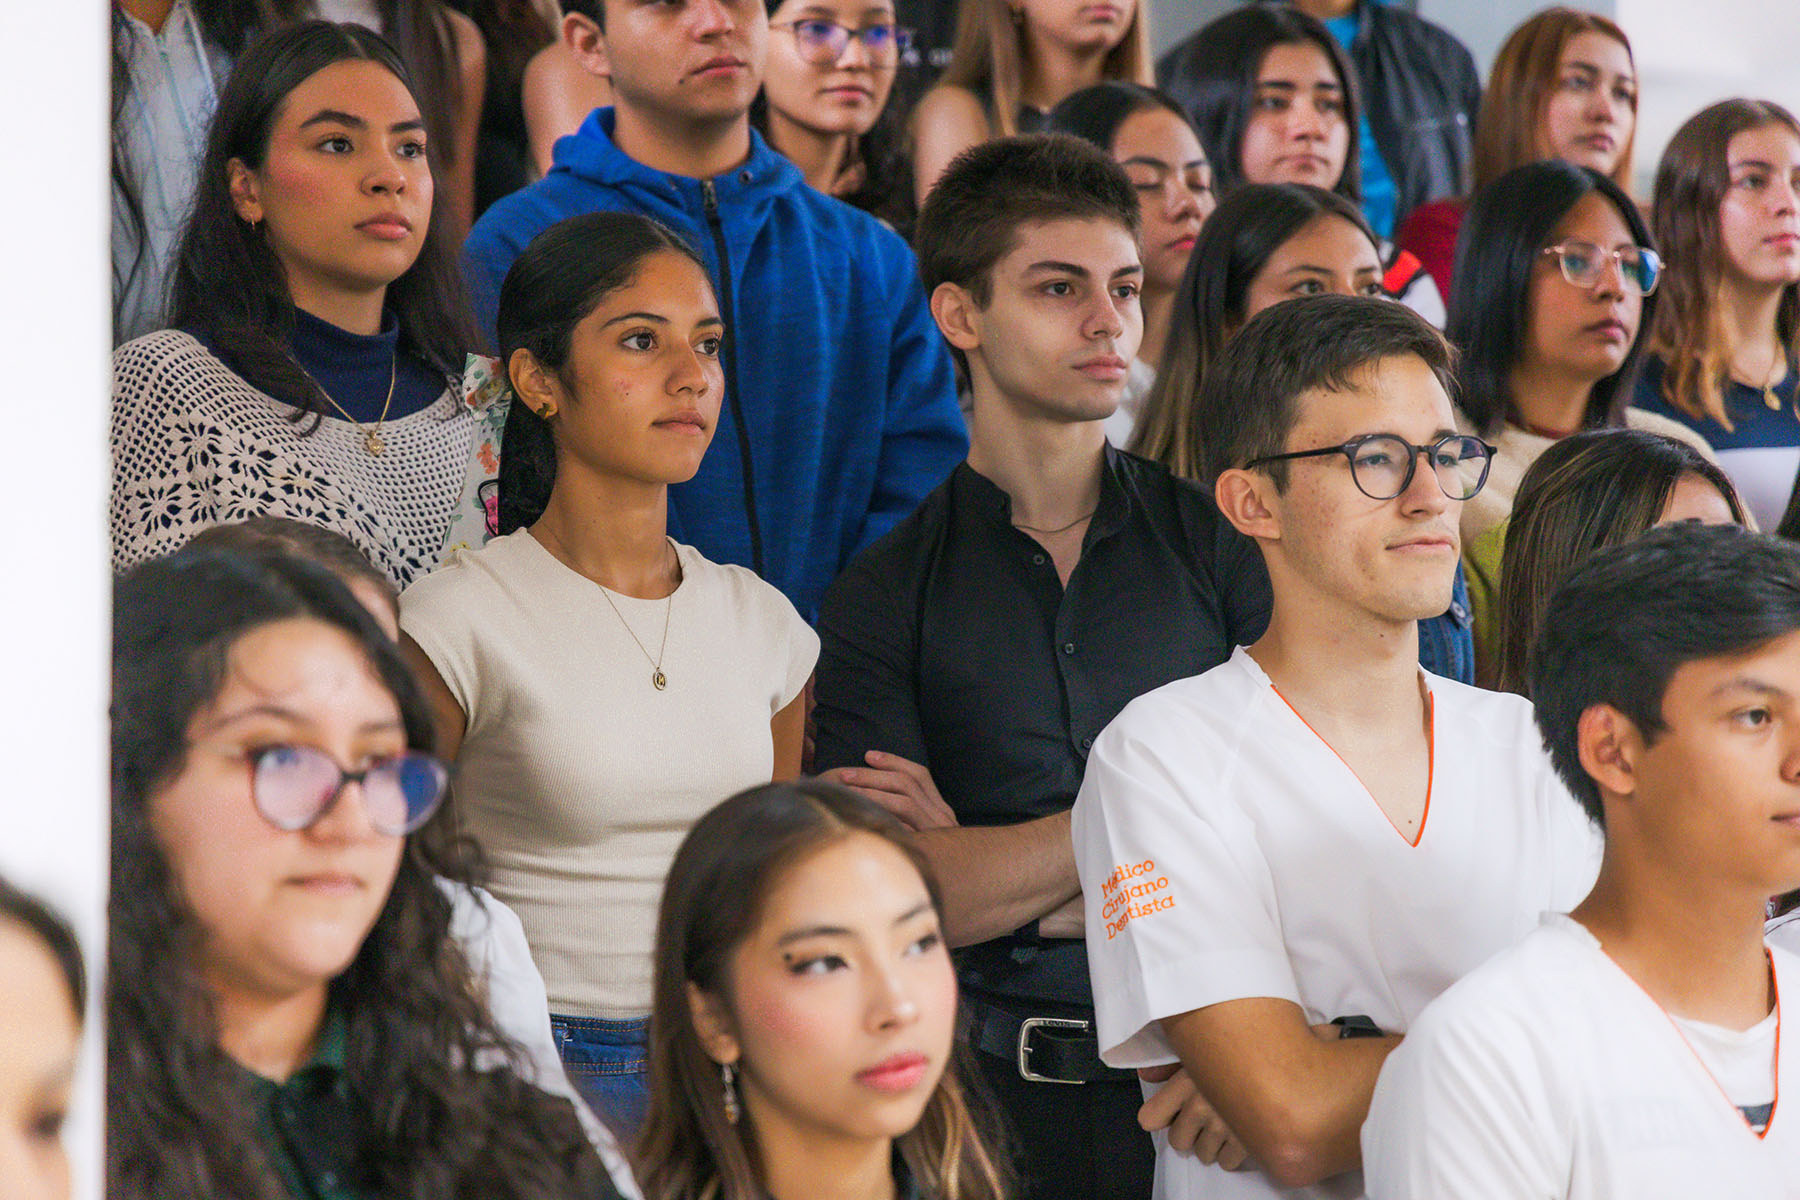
372	441
658	680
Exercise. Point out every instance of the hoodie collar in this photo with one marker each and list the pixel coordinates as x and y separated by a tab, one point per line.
592	154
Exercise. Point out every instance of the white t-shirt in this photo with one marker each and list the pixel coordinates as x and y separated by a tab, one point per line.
1550	1073
1226	852
499	958
577	777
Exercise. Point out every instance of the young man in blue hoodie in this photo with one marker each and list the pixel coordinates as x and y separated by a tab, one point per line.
840	399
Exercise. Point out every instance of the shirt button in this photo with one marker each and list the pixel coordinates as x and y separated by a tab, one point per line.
1038	559
1068	647
1087	743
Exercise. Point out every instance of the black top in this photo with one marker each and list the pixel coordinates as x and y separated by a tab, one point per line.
951	642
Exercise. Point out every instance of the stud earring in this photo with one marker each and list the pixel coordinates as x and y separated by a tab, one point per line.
733	1110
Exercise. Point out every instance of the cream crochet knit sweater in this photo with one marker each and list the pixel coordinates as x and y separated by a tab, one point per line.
195	445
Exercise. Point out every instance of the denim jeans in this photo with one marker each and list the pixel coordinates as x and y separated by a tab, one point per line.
605	1060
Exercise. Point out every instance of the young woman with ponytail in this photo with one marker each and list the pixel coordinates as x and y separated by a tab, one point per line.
598	684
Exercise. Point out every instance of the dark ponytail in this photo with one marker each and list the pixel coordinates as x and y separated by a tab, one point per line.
553	285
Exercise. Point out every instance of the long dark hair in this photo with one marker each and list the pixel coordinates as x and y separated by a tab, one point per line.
47	926
712	900
556	281
1594	489
179	1124
1497	252
1241	235
1213	76
1691	183
227	282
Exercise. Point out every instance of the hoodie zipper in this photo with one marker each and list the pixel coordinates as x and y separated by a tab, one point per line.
711	197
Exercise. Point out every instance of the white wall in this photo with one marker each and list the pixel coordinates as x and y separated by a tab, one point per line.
53	482
1686	61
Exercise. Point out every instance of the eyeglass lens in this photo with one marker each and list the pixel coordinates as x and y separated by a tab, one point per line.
1382	466
1583	263
294	785
826	41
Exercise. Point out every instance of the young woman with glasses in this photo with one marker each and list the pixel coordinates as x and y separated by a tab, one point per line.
1555	282
824	104
288	1013
1725	351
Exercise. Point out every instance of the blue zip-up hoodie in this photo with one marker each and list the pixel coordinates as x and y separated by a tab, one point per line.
839	392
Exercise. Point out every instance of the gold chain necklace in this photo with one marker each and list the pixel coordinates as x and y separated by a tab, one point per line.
1054	532
658	680
371	437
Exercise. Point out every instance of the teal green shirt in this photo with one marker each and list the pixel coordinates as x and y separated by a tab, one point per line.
309	1125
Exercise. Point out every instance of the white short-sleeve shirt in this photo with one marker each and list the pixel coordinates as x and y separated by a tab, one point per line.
576	775
1550	1073
1226	852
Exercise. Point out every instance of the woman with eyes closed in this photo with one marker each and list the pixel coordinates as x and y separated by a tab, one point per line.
320	323
824	103
1014	61
1147	133
598	684
1725	351
43	998
805	1005
1555	283
288	1016
1265	244
1563	86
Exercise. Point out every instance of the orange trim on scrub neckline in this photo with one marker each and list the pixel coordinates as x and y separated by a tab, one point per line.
1774	986
1430	763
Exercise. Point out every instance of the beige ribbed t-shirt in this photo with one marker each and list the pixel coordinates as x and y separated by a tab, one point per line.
576	775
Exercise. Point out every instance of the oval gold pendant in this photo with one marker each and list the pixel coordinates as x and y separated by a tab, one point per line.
660	680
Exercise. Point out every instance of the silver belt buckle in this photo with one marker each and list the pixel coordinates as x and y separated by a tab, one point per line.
1025	1028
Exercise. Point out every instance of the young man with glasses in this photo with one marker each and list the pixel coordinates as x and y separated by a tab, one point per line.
1285	858
1633	1047
840	401
970	657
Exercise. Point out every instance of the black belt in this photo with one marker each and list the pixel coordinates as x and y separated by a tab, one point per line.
1045	1049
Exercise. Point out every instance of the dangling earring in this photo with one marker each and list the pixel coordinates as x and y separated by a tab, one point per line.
728	1073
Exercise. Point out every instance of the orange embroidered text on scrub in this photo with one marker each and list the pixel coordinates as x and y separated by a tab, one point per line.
1133	890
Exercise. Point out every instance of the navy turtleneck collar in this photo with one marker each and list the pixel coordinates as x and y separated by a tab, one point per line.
355	369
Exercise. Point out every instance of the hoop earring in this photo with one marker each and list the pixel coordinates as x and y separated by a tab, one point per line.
728	1073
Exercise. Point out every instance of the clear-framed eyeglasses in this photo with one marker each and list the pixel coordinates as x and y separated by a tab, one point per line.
1583	264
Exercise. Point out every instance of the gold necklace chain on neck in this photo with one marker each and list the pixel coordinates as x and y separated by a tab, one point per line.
371	437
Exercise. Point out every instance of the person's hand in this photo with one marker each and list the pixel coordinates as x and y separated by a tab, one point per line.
1194	1127
1068	921
901	786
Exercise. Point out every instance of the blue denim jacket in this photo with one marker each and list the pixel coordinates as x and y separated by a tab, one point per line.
1447	643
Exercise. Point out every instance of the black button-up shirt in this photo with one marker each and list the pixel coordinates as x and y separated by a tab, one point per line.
952	642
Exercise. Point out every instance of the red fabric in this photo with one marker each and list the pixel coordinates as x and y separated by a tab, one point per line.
1429	234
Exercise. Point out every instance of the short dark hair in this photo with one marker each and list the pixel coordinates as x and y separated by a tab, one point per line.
1247	399
593	10
972	217
1621	624
1213	76
299	539
1095	113
1507	227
